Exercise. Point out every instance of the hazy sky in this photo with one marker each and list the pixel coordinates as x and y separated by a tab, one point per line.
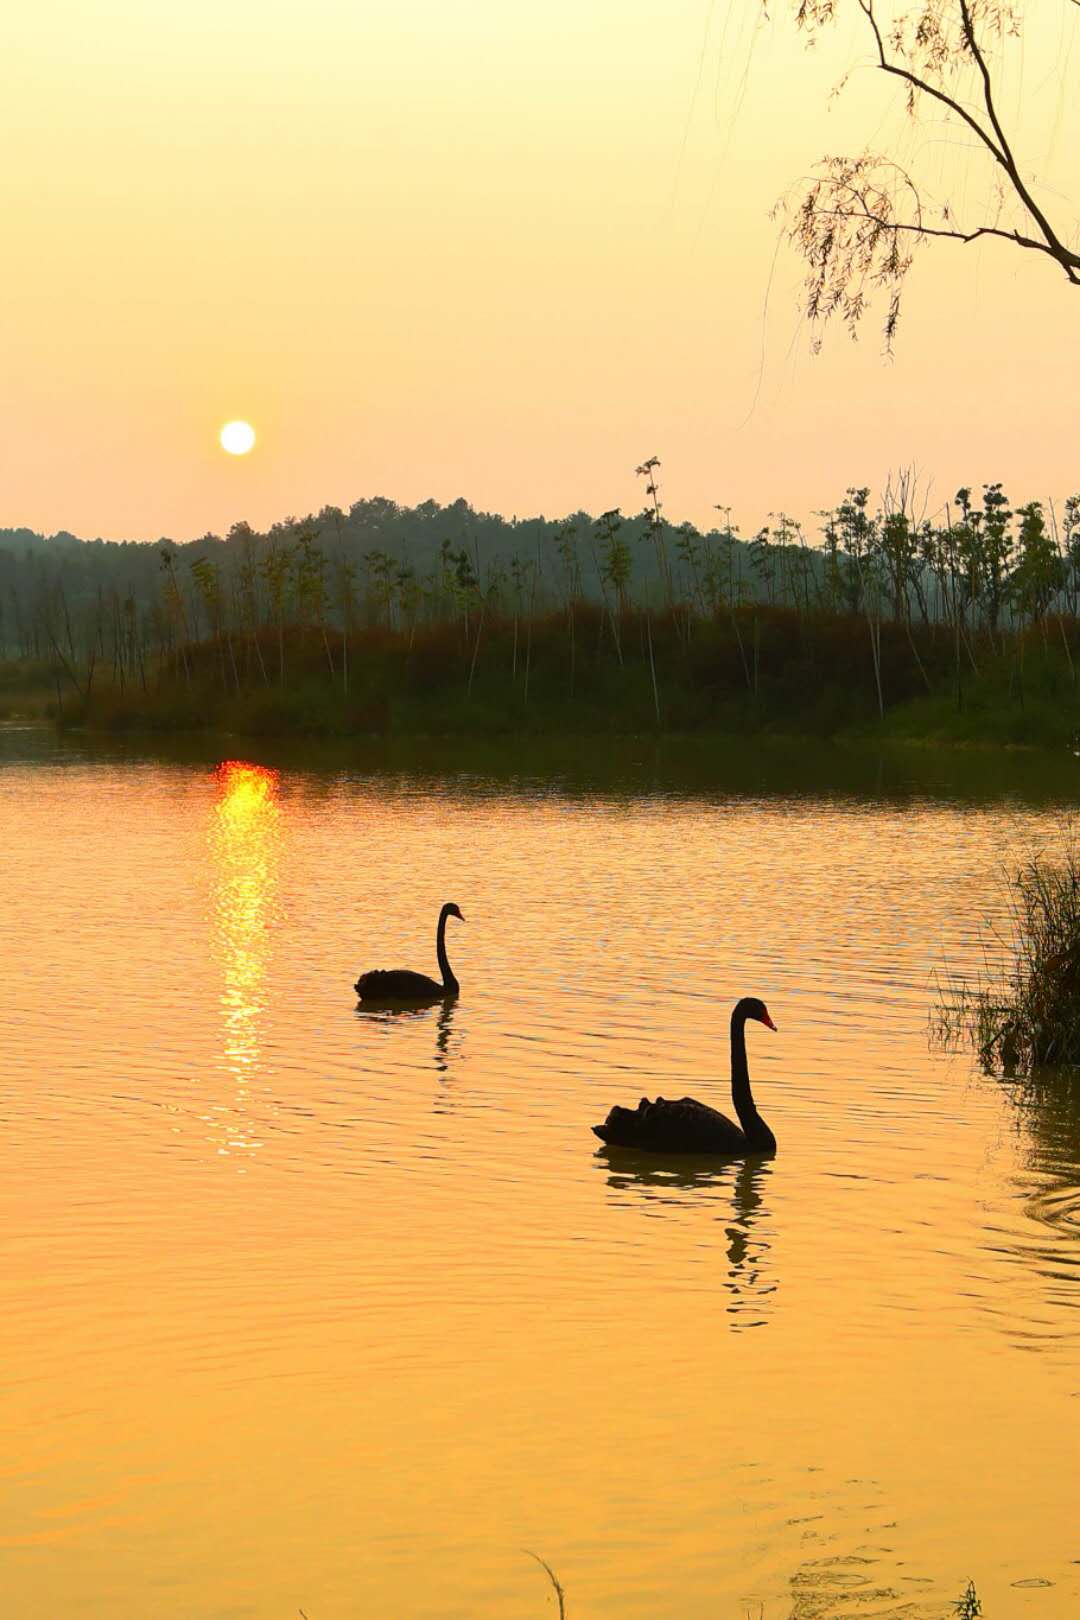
460	247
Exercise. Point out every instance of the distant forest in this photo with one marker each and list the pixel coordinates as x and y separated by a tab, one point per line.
986	565
397	602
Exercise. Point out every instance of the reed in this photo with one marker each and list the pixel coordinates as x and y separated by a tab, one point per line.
967	1605
560	1595
1025	1012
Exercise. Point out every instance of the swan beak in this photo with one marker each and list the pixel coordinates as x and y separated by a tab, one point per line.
767	1021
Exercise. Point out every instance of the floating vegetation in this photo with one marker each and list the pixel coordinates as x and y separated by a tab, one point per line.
967	1605
1026	1014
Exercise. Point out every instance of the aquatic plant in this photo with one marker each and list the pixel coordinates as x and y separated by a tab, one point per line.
1025	1013
560	1595
967	1605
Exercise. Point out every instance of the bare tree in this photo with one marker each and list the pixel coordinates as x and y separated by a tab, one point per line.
858	221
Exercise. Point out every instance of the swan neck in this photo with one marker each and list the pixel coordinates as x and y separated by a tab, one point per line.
754	1127
449	982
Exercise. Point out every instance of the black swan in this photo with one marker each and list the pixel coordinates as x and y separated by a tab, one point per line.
398	984
689	1126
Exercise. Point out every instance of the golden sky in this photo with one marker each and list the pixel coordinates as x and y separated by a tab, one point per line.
505	251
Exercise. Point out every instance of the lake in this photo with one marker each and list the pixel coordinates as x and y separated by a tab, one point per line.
313	1308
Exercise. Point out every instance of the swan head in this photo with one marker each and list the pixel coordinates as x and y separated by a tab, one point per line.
450	910
751	1007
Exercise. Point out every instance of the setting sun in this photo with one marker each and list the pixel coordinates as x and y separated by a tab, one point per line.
237	438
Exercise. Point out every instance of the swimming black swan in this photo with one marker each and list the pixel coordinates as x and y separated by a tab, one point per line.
689	1126
398	984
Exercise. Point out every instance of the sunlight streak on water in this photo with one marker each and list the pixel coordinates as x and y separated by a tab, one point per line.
244	841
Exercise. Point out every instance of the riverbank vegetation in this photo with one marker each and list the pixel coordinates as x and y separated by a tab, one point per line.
1025	1014
765	671
437	620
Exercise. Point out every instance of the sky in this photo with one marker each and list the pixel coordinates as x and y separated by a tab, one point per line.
434	248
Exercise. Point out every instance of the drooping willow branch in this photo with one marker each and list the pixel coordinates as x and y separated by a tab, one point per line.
858	222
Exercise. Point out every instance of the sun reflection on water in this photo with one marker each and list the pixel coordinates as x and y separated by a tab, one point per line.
244	838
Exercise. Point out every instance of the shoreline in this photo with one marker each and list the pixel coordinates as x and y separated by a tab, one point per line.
853	737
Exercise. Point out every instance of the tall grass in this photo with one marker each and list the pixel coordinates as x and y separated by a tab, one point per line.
1025	1014
513	675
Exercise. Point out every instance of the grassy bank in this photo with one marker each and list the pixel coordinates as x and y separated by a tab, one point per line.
28	690
760	670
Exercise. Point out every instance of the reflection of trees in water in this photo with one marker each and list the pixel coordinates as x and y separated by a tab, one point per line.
1048	1106
447	1047
671	1182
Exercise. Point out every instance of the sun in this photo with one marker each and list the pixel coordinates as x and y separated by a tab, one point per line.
237	438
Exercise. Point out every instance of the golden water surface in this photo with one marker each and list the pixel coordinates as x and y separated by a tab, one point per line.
306	1307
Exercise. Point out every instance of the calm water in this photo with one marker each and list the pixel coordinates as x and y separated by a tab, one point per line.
310	1308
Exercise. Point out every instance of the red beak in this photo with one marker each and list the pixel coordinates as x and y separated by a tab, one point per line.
767	1021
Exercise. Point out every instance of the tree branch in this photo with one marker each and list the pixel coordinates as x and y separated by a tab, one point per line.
1070	262
859	221
929	230
923	85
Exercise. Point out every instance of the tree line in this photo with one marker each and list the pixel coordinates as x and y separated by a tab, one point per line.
977	572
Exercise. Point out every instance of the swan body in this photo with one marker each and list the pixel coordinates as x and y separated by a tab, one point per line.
400	984
689	1126
666	1126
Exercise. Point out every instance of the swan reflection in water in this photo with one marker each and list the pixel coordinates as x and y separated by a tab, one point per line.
668	1185
442	1015
244	840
